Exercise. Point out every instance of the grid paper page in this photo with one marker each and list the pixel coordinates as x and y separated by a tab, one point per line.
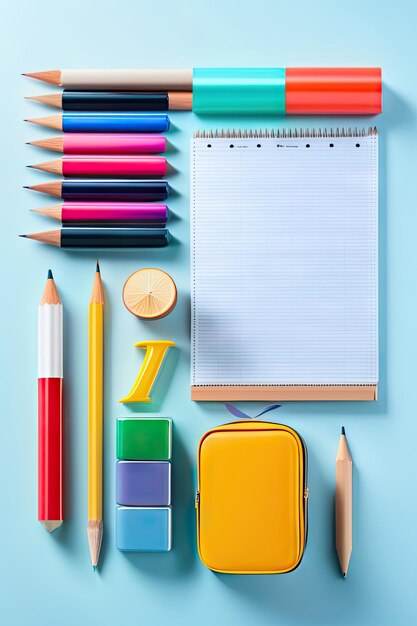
284	261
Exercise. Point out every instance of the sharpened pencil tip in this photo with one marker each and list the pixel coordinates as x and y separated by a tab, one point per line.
343	430
26	187
22	235
94	568
97	267
50	274
344	574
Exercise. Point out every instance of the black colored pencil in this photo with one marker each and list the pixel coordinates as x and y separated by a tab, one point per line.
118	100
104	237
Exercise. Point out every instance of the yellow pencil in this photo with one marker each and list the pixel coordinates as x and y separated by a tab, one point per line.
95	419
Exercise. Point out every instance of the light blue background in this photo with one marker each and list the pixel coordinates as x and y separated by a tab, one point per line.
48	579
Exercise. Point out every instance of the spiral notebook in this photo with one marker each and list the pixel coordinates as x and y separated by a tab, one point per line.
284	265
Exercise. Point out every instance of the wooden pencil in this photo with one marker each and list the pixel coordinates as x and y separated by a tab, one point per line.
117	100
55	144
111	213
103	143
118	166
123	79
52	121
50	408
107	190
104	237
95	418
105	122
343	504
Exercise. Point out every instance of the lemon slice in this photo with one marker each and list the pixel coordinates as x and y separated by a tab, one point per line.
149	293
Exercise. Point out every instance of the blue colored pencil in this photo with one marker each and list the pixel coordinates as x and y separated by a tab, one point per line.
105	122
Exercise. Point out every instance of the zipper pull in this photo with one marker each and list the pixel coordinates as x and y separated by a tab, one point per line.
197	499
305	493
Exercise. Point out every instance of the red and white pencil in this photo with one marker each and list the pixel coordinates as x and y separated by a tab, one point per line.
50	408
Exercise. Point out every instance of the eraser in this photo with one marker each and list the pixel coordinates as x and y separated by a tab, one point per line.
140	529
143	483
143	439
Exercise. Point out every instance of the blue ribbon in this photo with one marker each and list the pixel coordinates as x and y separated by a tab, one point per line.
241	415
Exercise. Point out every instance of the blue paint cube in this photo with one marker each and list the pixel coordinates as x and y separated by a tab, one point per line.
142	529
143	483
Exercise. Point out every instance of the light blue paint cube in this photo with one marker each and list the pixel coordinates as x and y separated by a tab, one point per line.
143	529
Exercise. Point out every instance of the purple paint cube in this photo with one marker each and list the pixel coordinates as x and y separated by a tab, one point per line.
143	483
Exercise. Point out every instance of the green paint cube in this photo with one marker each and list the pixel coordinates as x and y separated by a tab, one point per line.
143	439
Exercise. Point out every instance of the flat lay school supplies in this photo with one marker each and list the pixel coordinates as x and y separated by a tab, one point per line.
50	409
149	293
107	166
103	143
251	503
111	190
284	265
106	237
152	362
280	91
343	504
143	484
118	100
105	122
95	418
102	213
284	294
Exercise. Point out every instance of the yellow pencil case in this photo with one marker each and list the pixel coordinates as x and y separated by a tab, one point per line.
251	501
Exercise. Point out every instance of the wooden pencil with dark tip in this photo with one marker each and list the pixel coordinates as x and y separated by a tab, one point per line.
50	408
105	190
53	77
102	237
105	122
139	214
119	166
52	121
51	189
119	79
55	144
343	504
118	100
103	143
95	418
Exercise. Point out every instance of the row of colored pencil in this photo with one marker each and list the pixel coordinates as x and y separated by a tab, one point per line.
106	156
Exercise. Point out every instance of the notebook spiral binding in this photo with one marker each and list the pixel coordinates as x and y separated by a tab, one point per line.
291	133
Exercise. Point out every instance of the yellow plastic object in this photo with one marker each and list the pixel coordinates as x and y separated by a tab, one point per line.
149	293
252	498
154	355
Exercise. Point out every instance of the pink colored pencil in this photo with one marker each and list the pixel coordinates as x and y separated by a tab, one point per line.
80	212
103	143
109	166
